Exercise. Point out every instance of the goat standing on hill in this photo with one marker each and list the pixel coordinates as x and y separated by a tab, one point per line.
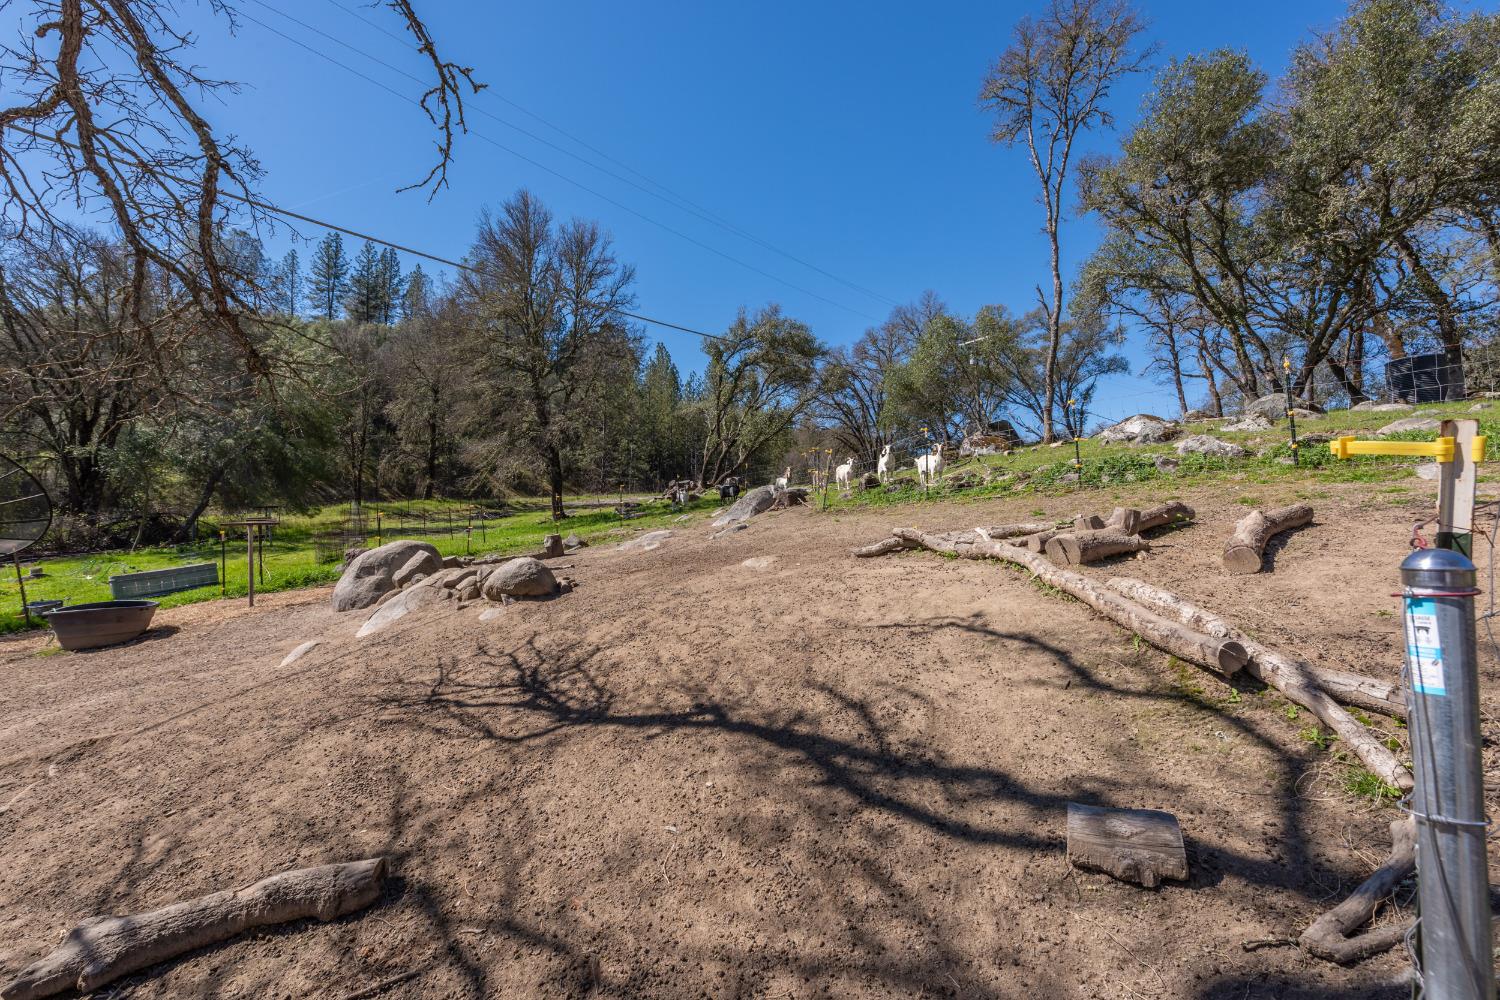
930	466
883	464
844	473
784	479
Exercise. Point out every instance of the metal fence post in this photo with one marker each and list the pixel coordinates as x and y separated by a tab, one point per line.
1448	797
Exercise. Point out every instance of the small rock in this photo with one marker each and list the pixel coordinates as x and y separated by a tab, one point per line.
421	564
729	530
759	562
1165	463
468	590
453	562
1428	470
524	577
299	652
1479	407
1204	444
1409	424
574	542
490	614
1388	407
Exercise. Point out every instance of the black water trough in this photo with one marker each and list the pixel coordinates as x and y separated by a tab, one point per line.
106	623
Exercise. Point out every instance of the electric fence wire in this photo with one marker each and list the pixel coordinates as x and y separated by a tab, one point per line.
542	166
665	193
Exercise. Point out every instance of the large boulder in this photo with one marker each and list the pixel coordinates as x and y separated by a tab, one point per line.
1370	404
399	607
420	565
1409	424
1142	428
996	439
1250	422
747	506
1203	444
526	577
1273	407
372	574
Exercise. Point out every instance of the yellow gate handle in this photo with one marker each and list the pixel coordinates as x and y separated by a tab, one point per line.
1440	450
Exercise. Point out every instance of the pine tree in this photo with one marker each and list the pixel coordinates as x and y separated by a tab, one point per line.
289	284
330	276
391	285
364	301
416	297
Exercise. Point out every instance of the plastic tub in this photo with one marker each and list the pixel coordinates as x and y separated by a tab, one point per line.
107	623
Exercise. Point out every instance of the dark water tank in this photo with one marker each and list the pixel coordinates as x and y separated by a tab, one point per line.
1424	378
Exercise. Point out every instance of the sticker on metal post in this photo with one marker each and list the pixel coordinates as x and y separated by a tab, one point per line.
1424	648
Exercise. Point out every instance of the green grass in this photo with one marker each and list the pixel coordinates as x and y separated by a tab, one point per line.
1044	471
290	560
1363	784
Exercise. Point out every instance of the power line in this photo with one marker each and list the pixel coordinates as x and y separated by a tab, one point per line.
682	202
561	176
267	206
412	251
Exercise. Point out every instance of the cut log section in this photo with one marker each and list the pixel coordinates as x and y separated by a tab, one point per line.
1126	519
1328	936
102	949
1299	681
1088	522
1090	546
1143	846
1223	656
552	547
1163	515
1244	553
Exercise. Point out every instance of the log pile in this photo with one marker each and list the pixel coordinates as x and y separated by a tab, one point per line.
1245	550
1199	637
1091	538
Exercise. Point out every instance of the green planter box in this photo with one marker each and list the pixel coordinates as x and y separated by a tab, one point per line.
156	582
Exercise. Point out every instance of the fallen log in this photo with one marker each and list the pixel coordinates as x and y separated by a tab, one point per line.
1223	656
1081	547
883	547
1299	681
995	532
102	949
1143	846
1328	936
1244	553
1163	515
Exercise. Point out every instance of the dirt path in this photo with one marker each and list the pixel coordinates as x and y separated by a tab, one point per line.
820	777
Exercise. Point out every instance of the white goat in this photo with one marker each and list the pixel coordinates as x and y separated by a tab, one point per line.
784	478
930	466
883	465
844	473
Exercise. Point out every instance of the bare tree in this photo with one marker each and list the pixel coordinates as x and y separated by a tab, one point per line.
1049	87
105	119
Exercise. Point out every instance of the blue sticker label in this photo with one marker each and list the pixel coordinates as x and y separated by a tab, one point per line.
1424	647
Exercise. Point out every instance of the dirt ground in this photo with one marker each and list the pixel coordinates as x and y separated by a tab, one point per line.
822	777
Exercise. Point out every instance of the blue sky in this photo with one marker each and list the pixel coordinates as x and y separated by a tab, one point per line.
846	135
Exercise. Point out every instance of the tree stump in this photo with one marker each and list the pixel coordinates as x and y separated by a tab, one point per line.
552	547
1245	551
1143	846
